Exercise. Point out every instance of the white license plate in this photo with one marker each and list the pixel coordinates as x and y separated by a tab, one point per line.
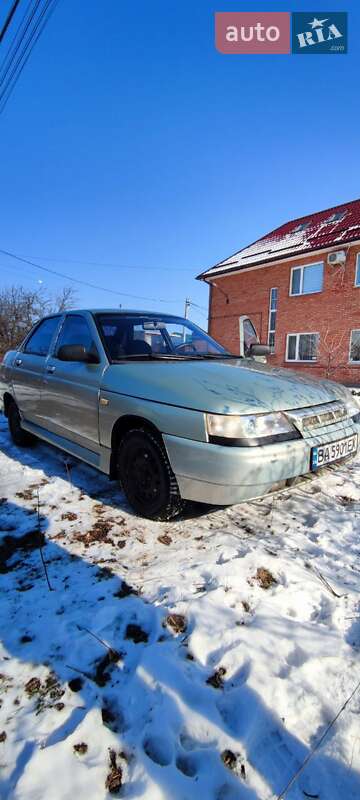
326	453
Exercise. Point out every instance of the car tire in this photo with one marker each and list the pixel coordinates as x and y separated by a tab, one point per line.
146	476
20	437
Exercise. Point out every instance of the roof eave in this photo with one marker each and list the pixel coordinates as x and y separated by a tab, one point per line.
238	268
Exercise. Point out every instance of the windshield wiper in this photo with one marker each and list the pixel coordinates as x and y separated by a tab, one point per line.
196	356
217	355
172	356
153	357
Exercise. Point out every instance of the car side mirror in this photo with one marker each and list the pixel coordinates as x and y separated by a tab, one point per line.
257	349
77	352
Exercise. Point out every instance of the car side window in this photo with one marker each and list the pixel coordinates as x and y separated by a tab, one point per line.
40	341
76	330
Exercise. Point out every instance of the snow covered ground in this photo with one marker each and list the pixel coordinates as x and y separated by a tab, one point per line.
222	653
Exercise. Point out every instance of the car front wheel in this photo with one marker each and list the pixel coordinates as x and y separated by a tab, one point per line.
146	476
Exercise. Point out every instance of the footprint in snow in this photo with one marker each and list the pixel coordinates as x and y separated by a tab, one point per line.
159	750
241	676
112	717
188	743
187	765
310	520
227	792
273	754
297	657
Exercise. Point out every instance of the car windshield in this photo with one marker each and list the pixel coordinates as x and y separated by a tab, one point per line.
144	336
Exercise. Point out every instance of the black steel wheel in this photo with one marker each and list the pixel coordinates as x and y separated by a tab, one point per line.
146	476
20	437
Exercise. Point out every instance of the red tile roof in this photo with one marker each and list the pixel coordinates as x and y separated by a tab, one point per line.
330	228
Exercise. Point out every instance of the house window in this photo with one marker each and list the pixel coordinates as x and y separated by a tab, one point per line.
357	270
307	279
301	227
272	318
302	346
355	347
337	216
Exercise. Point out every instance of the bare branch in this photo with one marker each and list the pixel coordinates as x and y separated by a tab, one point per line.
21	308
65	299
328	350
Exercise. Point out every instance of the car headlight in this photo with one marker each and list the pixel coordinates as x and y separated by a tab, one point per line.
250	430
352	406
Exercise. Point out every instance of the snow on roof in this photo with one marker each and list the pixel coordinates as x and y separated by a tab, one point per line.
327	228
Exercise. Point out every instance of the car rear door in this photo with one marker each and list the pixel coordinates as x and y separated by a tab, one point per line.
70	392
28	367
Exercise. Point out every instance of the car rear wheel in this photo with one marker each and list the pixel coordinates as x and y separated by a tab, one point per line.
146	476
20	437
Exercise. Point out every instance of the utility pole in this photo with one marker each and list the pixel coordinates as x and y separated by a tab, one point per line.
187	306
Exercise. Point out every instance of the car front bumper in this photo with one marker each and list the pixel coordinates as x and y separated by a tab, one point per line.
210	473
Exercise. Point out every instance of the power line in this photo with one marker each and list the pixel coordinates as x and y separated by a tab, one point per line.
83	283
197	306
26	51
111	265
8	19
29	45
18	38
189	304
202	313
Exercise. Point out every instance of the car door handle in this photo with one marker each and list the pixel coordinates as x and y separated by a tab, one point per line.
50	369
18	362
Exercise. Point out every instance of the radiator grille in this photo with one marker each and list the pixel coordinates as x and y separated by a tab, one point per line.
310	419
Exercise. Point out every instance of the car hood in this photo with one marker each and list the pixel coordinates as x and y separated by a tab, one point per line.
236	386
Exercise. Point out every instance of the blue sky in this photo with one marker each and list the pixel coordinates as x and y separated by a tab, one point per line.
130	140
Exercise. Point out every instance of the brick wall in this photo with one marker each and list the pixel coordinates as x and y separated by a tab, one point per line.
335	310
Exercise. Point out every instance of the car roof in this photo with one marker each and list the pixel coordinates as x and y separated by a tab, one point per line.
126	311
121	312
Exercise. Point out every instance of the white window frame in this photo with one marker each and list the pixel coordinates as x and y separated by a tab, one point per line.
301	227
272	330
357	267
298	360
337	216
353	330
302	268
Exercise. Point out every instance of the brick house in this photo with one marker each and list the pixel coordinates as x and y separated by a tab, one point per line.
300	287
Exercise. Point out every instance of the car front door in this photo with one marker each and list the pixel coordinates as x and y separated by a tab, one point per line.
29	365
70	392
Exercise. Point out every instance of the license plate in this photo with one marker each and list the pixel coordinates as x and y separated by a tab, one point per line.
326	453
